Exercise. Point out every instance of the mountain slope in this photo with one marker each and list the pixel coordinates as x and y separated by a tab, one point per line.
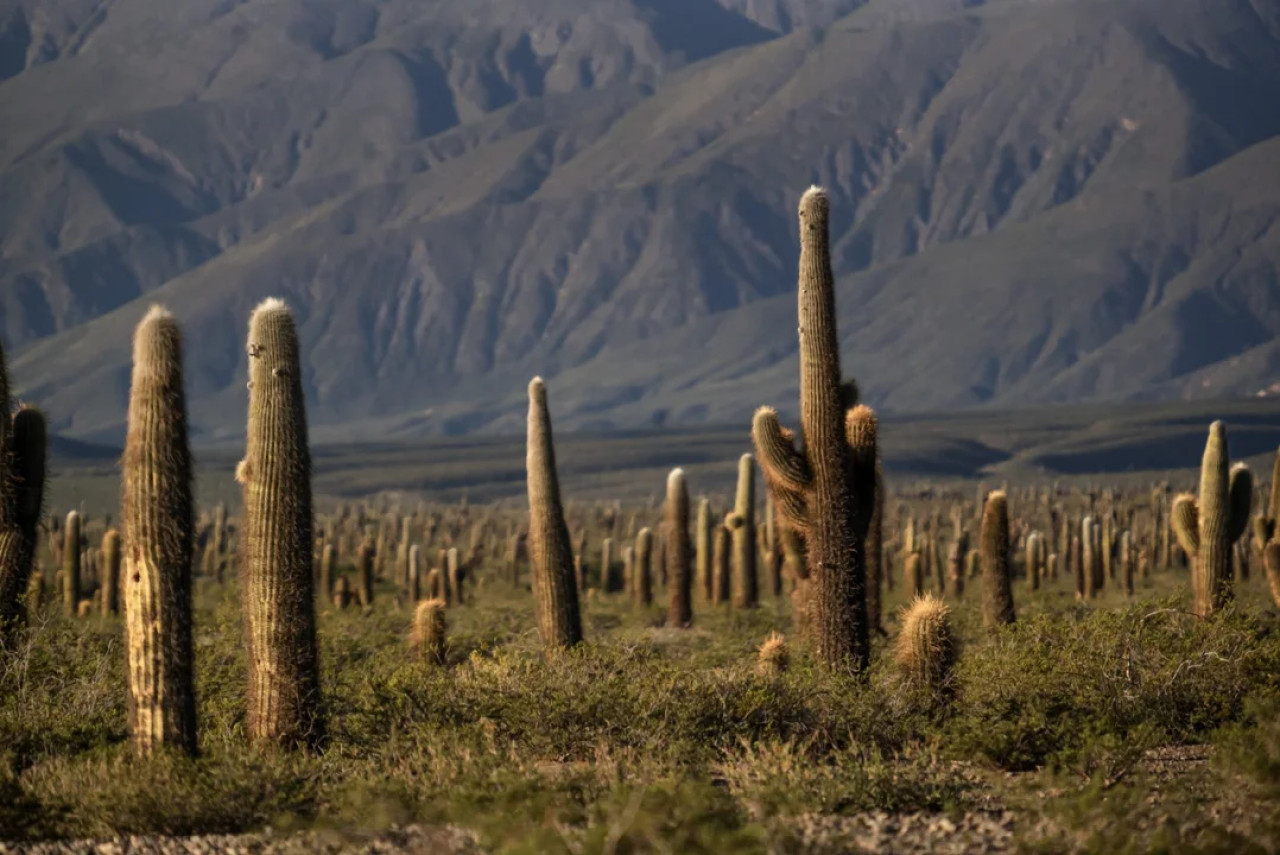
1033	201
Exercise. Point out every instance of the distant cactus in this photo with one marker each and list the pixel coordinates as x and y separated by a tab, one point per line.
1127	560
819	490
159	525
1208	526
874	550
285	704
774	657
428	637
702	550
741	523
1032	560
679	572
328	558
415	573
550	552
1266	534
721	544
913	574
71	564
997	592
925	649
455	573
644	568
111	559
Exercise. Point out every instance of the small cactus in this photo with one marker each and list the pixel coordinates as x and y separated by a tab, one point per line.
741	523
550	552
285	704
997	592
702	551
159	514
1209	525
427	638
774	657
925	649
71	564
644	568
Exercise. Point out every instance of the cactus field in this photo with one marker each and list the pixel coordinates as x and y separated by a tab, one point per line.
773	637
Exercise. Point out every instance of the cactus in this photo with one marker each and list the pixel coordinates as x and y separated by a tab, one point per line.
1127	561
24	439
328	558
414	582
455	573
702	550
1208	526
550	553
1265	534
428	637
159	514
741	522
679	577
609	580
925	648
774	657
1090	560
720	546
997	592
364	574
111	572
644	568
71	564
819	490
285	704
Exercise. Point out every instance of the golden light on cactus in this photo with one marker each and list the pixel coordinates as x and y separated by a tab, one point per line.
742	526
428	639
158	513
925	648
550	551
678	558
997	588
285	704
774	657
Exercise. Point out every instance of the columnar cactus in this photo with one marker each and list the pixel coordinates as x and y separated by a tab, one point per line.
71	564
285	704
874	550
772	549
159	528
720	546
925	649
702	550
111	560
997	591
913	574
1208	526
819	490
741	522
1091	560
328	557
644	567
364	573
415	573
679	577
550	552
22	476
1127	560
1266	533
455	574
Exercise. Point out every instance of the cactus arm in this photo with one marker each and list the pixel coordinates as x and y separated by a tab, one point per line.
782	464
1240	501
1184	519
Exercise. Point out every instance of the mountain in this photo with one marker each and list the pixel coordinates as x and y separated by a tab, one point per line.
1033	201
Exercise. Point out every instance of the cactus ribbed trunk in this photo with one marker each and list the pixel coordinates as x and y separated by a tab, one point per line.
159	514
813	487
997	591
875	561
285	704
742	524
111	561
644	568
679	576
721	542
550	551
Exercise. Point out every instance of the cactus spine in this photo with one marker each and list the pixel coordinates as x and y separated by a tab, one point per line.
285	705
997	592
741	522
429	627
550	552
158	513
818	490
679	581
1208	526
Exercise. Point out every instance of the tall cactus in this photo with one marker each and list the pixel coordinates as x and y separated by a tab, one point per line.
1208	526
550	552
22	477
159	527
741	522
819	489
997	590
679	575
71	564
285	704
111	559
643	589
1266	533
702	550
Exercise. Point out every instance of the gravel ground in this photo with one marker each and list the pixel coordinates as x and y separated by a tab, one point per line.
411	840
